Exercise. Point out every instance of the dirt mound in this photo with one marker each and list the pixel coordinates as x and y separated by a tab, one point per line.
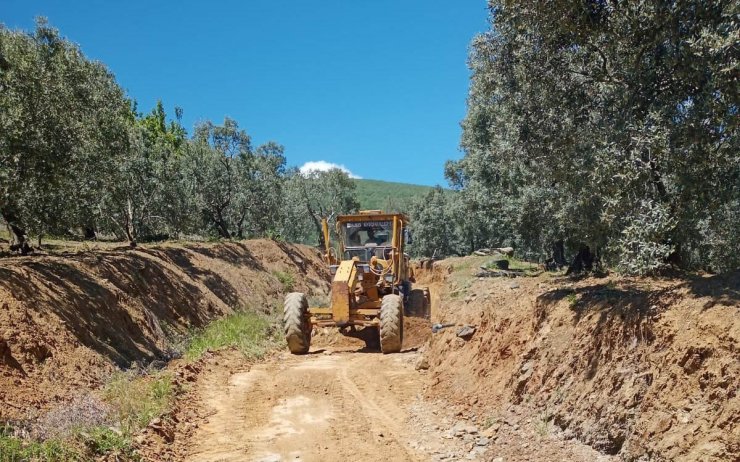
648	369
416	332
68	321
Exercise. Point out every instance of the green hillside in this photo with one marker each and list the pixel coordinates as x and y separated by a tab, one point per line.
388	196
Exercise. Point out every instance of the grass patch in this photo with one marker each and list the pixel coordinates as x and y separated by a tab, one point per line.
488	423
107	441
135	401
89	427
104	423
286	279
572	299
251	333
522	265
14	449
318	300
542	426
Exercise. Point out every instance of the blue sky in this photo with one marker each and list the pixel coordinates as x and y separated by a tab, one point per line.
377	86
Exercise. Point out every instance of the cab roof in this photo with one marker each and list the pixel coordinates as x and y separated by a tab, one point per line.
372	215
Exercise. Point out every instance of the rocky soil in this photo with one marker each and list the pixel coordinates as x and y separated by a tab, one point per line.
646	369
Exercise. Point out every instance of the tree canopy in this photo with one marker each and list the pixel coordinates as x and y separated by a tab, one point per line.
611	125
76	159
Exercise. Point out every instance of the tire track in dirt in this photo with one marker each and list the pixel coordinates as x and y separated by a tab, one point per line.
379	406
343	406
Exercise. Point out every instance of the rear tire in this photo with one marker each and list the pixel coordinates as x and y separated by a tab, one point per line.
391	324
297	323
419	303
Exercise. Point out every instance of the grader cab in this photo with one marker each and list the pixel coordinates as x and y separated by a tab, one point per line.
371	283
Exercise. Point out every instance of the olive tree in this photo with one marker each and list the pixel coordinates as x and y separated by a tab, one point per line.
63	127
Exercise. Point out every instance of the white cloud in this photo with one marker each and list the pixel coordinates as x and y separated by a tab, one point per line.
324	166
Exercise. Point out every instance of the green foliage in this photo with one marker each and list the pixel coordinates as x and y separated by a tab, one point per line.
286	279
61	147
612	125
107	441
14	449
137	400
84	163
388	196
249	332
433	224
311	197
69	433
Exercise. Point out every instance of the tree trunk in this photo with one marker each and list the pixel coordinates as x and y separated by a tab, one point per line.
582	262
89	233
130	231
558	253
322	242
221	227
18	238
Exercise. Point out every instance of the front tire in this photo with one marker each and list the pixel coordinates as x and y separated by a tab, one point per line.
296	323
391	324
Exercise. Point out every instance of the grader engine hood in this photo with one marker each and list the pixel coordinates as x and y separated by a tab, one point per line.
342	291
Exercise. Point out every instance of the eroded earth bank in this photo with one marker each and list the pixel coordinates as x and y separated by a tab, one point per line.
556	369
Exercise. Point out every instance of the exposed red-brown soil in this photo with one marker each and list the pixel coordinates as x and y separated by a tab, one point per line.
596	369
648	369
68	320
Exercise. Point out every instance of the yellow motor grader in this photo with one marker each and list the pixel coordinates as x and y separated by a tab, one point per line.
371	283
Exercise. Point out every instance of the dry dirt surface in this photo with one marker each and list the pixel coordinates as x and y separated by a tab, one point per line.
646	369
335	404
70	318
551	368
340	402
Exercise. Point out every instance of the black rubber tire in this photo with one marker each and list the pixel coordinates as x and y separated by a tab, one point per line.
391	324
297	323
419	304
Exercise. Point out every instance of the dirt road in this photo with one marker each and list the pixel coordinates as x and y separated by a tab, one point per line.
329	407
347	405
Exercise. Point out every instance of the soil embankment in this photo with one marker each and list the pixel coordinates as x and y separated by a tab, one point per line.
647	369
68	320
597	369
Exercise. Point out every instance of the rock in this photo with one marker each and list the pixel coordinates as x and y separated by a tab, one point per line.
505	250
482	441
465	331
475	453
458	429
514	285
498	459
422	364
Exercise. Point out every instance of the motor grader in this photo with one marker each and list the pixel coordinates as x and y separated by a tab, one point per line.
371	283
